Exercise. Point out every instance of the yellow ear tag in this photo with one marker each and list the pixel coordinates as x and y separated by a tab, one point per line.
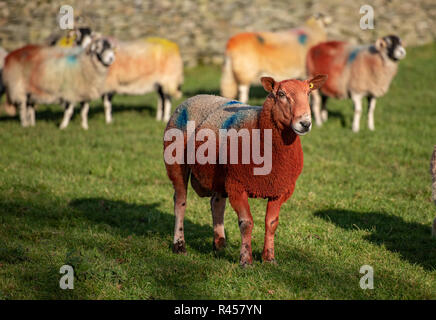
311	85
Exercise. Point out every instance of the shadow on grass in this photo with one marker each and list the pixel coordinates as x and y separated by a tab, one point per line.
143	220
410	239
339	116
158	273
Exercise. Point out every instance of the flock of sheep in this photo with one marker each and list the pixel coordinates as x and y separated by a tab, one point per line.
84	66
72	69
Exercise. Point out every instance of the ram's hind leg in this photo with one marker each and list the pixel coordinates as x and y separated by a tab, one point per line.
160	103
324	111
218	206
239	203
179	175
316	107
84	114
107	103
23	114
244	90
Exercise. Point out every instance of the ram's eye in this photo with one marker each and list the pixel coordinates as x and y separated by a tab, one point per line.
281	94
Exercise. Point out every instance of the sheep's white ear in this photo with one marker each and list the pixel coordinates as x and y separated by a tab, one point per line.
317	81
268	83
380	44
327	20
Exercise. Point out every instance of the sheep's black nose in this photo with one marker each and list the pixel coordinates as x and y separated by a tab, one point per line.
305	124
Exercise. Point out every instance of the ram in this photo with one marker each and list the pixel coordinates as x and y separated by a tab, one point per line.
281	55
356	72
284	116
39	74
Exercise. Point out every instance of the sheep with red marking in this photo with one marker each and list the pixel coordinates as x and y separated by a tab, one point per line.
274	128
280	54
143	66
39	74
433	175
354	71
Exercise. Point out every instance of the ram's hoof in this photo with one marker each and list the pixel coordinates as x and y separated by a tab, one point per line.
219	245
179	247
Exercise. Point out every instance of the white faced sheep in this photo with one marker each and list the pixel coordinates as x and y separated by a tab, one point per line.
281	55
38	74
356	71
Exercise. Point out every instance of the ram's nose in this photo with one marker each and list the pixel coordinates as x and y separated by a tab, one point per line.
306	124
302	125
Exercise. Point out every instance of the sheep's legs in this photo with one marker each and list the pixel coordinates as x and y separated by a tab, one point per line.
84	115
31	115
160	103
218	206
243	92
167	108
316	106
324	112
357	100
179	176
67	115
23	114
371	108
271	223
107	103
239	202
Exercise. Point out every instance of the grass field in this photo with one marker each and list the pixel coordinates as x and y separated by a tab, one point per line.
100	201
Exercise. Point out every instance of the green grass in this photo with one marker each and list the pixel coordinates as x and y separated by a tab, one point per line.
100	201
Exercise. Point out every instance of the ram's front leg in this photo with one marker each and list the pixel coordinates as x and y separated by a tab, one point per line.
271	224
68	113
239	202
84	114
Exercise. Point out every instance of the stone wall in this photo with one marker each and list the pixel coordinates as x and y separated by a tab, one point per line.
201	27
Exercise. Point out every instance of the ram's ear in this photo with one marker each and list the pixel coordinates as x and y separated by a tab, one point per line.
268	83
380	44
317	81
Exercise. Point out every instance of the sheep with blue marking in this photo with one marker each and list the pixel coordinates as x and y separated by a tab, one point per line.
39	74
221	171
280	54
354	71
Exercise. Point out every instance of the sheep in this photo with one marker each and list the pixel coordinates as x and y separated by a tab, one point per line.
277	54
356	72
433	175
40	74
284	116
143	66
10	110
76	37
